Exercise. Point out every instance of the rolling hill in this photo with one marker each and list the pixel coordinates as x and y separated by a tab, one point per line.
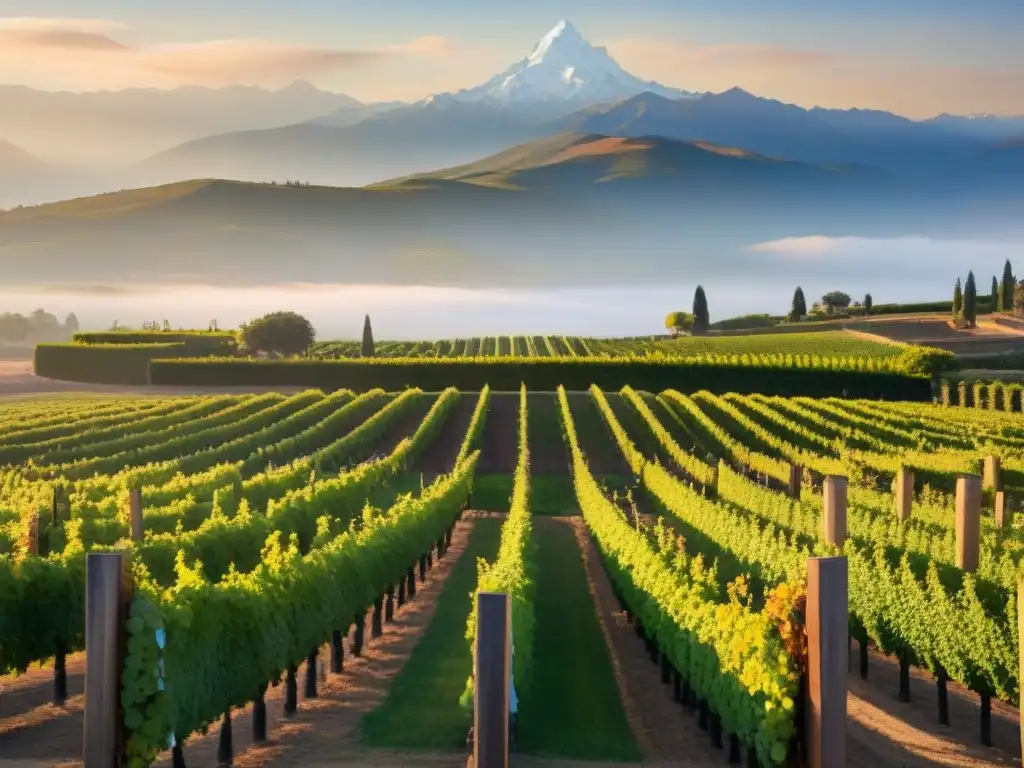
587	164
557	211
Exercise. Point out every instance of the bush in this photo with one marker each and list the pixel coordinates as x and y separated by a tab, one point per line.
101	363
541	374
745	322
197	343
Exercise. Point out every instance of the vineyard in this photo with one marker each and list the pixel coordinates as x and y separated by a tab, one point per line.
824	344
654	546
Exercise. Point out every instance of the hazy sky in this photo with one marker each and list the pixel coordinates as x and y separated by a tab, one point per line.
914	57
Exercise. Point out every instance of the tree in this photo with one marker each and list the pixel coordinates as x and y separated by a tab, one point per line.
1009	286
679	322
701	318
834	300
958	300
284	333
71	323
798	309
970	301
1018	300
996	303
868	304
367	348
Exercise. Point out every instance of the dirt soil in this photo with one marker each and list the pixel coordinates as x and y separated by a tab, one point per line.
500	440
987	339
440	457
548	452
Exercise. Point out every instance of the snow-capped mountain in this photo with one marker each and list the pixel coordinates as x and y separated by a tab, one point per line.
565	68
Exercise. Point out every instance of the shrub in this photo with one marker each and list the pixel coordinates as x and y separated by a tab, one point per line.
101	363
542	374
197	343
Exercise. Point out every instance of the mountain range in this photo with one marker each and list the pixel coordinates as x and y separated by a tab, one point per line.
143	137
563	159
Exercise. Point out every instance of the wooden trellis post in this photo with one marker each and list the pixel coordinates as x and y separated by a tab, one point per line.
827	649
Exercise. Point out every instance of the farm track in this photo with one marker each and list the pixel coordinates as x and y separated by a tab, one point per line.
34	688
404	426
499	448
603	456
546	444
445	448
665	734
641	435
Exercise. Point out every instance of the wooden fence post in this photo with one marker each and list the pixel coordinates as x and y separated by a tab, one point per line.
107	597
135	511
491	680
968	521
992	478
904	493
793	487
827	649
834	496
1003	510
1020	628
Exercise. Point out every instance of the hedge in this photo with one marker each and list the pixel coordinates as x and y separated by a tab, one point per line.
543	374
101	363
197	343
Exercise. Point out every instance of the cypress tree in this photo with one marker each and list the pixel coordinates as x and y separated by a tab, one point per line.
997	303
1009	284
970	301
701	319
798	309
868	304
367	348
958	299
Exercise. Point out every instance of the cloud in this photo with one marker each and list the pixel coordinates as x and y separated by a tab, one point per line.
247	62
812	246
85	51
667	55
85	34
428	45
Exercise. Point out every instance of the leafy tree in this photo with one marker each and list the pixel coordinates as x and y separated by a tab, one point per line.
834	300
970	301
1018	300
868	303
996	301
701	318
1009	286
71	323
284	333
679	322
798	308
367	348
958	300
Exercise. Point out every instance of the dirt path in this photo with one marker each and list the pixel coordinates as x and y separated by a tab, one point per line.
440	457
664	730
548	454
596	442
885	731
22	693
500	441
404	426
